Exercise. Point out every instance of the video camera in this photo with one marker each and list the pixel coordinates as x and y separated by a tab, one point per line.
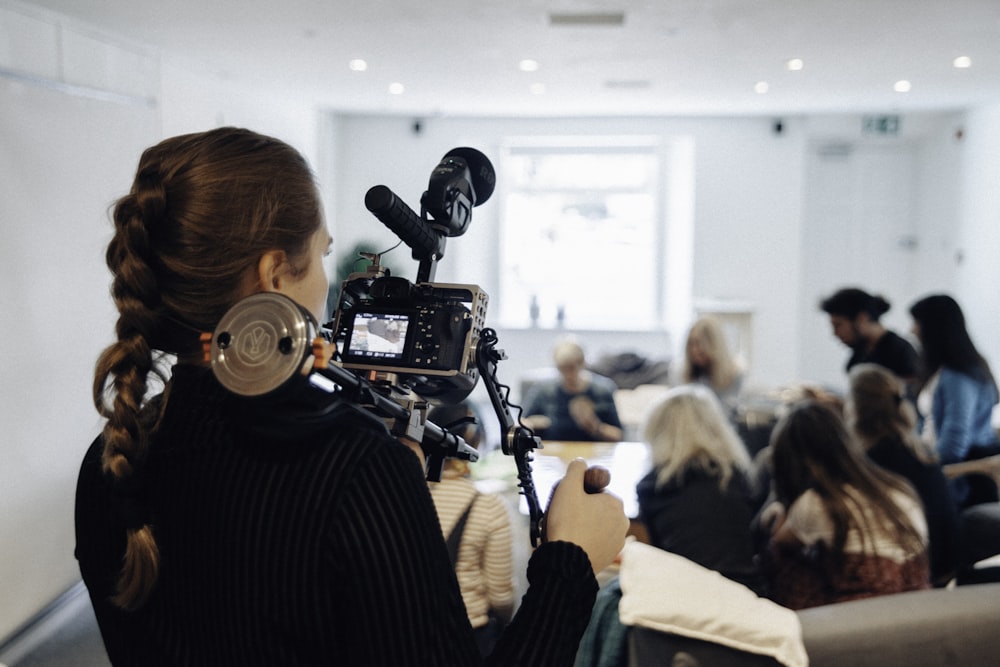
425	333
393	346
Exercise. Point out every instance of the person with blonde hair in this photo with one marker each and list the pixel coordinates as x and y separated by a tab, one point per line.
708	361
212	529
578	405
696	501
885	423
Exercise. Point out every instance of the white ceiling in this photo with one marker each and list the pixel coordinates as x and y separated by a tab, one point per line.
666	57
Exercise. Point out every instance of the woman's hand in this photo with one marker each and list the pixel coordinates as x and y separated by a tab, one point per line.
581	409
772	519
596	522
536	422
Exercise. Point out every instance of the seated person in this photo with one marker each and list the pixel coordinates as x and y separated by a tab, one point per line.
579	406
842	528
696	502
885	423
708	361
854	318
957	394
478	531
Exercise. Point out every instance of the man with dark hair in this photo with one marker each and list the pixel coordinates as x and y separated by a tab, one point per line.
854	317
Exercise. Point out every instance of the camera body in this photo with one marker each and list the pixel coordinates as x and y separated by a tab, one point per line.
422	336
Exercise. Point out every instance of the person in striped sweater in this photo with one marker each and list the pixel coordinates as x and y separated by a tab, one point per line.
477	528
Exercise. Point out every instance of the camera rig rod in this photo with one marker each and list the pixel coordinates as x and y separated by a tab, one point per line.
516	440
405	415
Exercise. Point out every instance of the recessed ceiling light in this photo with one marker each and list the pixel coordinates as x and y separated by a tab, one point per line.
396	89
761	87
962	62
528	65
902	86
358	65
795	64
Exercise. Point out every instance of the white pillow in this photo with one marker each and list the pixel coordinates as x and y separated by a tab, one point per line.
666	592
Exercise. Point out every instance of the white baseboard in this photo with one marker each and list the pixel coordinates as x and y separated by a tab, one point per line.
36	631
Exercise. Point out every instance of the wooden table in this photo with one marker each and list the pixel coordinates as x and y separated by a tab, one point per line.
628	462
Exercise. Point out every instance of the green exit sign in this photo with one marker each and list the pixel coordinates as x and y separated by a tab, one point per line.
885	125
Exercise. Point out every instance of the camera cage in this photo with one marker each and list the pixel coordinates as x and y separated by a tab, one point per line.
424	334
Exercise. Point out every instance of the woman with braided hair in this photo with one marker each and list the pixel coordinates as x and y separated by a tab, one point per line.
212	529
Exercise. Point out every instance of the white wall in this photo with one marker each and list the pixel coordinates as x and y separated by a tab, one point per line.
57	317
977	240
192	101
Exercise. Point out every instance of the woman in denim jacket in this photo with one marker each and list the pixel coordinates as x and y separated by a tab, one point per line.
957	392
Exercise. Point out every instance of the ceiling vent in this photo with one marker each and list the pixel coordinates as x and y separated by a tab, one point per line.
627	84
587	19
835	150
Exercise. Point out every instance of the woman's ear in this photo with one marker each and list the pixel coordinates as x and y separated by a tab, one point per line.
272	269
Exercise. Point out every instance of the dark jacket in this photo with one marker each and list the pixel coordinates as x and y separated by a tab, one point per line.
939	505
695	518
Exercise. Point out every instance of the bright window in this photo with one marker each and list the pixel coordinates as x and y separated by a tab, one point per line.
580	245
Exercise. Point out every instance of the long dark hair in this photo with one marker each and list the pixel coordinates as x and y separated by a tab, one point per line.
201	212
812	450
945	341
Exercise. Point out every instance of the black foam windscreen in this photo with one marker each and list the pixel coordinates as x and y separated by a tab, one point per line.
484	178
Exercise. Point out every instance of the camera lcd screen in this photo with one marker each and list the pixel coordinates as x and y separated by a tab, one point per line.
378	335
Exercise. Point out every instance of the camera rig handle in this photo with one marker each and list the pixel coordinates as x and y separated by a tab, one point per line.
516	440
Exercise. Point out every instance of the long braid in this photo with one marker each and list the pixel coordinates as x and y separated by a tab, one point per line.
128	362
202	211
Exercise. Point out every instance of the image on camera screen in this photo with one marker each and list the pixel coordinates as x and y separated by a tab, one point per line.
378	335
